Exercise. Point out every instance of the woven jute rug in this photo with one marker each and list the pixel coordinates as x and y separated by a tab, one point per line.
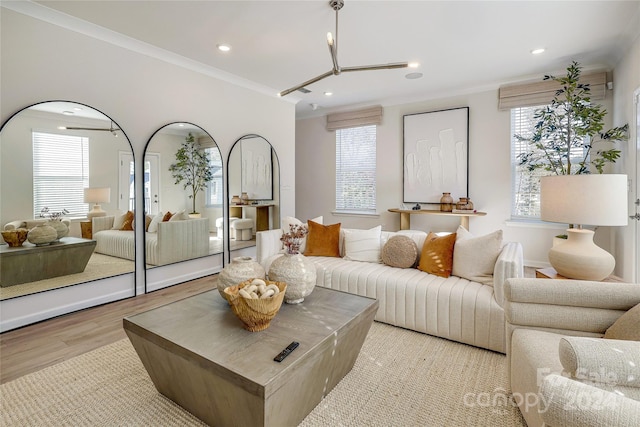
401	378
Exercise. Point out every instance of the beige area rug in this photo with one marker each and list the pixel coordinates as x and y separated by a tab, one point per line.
98	267
401	378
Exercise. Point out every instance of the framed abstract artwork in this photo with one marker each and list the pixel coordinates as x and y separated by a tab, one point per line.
436	155
257	167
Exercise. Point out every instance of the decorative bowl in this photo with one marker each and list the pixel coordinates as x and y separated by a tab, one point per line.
15	238
255	314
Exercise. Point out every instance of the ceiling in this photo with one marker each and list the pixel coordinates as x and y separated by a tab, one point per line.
461	46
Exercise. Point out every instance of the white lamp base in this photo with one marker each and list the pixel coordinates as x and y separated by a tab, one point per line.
580	258
96	211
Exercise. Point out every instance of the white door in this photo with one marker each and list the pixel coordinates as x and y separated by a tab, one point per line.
152	183
635	191
126	185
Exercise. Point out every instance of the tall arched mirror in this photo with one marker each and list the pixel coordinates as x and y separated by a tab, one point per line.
253	179
184	193
69	166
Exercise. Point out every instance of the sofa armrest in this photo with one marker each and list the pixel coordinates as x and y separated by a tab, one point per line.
510	264
268	244
14	225
100	223
565	402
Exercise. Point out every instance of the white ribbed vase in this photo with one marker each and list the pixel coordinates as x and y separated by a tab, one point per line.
241	269
60	227
298	272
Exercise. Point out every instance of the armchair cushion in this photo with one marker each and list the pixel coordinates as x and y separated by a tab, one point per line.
627	327
598	360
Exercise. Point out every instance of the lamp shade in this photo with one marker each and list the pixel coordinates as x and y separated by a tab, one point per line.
584	199
97	195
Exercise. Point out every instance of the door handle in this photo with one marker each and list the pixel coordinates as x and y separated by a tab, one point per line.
636	216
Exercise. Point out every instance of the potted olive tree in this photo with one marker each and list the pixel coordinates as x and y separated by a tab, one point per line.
192	168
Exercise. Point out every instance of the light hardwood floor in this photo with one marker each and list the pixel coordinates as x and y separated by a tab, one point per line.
43	344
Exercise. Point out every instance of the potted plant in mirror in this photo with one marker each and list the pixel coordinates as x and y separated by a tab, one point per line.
568	138
192	168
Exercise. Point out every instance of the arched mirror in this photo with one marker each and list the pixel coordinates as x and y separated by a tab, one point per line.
183	201
69	166
253	179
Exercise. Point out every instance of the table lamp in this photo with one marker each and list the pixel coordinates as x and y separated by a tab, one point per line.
97	195
599	200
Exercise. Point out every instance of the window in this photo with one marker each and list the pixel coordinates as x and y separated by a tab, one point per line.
356	169
60	173
214	187
525	200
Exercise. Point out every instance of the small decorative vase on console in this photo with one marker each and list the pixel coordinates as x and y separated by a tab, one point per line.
298	272
446	202
42	234
240	269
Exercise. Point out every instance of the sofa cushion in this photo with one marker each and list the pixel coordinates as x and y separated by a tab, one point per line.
437	254
179	216
400	251
123	222
167	216
323	240
474	258
153	226
362	245
627	327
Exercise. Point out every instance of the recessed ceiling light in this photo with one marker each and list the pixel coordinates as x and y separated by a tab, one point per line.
412	76
537	51
223	47
181	125
68	113
328	93
77	108
414	64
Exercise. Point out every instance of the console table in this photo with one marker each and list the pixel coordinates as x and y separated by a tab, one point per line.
405	216
29	263
262	214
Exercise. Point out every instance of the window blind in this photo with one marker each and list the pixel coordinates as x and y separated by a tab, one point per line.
214	187
350	119
356	169
542	92
60	173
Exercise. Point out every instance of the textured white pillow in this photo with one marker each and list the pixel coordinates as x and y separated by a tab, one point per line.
118	221
475	257
153	226
288	221
179	216
362	245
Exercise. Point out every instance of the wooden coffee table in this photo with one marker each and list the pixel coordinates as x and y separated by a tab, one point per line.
198	355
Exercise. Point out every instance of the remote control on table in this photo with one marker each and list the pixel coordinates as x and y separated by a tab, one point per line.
284	353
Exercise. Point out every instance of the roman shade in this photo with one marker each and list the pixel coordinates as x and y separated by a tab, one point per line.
349	119
542	92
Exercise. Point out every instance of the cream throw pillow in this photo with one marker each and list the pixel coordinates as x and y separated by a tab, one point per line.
179	216
288	221
362	245
118	220
153	226
474	258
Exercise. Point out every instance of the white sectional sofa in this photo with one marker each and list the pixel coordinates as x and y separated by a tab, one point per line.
454	308
173	242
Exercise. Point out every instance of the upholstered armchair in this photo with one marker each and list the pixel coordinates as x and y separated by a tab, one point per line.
573	351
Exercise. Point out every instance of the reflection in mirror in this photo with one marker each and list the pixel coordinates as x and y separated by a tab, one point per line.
69	166
183	195
253	179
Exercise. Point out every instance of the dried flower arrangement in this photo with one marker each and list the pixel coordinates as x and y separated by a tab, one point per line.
293	239
53	216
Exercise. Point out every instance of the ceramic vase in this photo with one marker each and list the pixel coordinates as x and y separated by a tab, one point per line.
245	198
42	234
60	227
446	202
236	200
298	272
240	269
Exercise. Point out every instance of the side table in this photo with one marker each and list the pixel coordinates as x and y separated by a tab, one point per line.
86	229
551	273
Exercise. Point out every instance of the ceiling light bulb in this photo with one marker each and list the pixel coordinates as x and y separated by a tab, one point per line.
62	127
223	47
414	64
68	113
537	51
330	39
328	93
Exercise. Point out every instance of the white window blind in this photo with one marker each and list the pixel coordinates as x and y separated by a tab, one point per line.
60	173
214	187
356	169
525	198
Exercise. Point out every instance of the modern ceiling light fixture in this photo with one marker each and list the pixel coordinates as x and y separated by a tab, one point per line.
333	50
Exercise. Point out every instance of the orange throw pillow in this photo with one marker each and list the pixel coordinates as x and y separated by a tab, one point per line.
437	254
167	216
323	240
127	224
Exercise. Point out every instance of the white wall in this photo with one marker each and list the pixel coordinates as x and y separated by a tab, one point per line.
489	175
42	61
626	81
